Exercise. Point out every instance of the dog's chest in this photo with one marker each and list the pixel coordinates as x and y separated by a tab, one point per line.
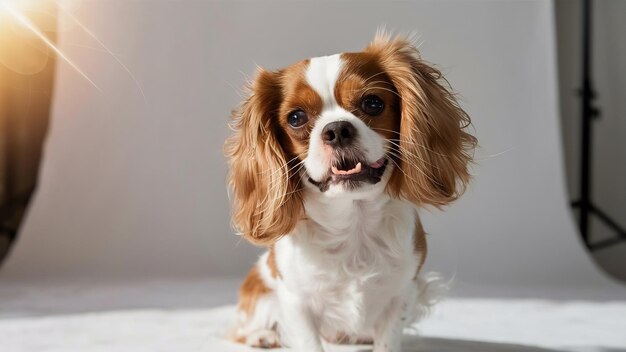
358	239
353	265
353	304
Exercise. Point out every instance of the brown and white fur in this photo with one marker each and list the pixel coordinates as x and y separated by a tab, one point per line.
329	160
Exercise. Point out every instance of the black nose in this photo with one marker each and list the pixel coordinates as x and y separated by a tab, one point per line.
339	134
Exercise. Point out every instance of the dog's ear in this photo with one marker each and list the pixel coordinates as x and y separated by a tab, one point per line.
434	148
266	204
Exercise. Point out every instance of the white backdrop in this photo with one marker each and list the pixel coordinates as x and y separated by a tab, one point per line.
134	187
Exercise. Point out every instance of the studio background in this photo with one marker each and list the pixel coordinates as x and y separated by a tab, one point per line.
133	179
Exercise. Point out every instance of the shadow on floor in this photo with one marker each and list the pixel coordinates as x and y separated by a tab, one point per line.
431	344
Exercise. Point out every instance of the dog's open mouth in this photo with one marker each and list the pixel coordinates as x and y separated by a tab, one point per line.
351	169
352	172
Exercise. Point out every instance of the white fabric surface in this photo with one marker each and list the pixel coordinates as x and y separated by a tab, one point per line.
178	316
485	325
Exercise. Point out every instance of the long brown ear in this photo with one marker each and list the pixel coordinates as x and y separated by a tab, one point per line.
435	150
266	204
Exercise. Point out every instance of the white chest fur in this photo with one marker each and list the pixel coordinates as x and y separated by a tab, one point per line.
349	259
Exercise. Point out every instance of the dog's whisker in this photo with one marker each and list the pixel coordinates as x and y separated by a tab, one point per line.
278	184
374	75
403	158
495	155
365	90
396	141
407	153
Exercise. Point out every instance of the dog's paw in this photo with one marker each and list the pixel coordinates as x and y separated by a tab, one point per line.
264	338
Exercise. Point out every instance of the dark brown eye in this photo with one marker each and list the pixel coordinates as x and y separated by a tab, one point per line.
297	118
372	105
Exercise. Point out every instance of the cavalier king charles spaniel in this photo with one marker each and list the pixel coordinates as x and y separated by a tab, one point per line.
329	160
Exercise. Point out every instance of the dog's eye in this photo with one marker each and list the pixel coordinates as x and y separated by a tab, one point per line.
297	118
372	105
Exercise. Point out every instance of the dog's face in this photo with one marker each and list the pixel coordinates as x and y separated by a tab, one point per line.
340	118
341	125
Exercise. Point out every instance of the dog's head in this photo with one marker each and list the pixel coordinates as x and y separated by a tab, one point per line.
343	125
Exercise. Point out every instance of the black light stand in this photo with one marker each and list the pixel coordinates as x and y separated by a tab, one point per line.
589	112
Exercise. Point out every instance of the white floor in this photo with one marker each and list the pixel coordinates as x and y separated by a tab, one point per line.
457	325
177	316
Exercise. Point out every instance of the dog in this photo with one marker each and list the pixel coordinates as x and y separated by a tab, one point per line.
330	158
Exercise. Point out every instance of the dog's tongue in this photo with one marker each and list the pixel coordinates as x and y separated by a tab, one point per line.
355	170
378	164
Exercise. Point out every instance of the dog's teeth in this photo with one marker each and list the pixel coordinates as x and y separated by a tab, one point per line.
354	170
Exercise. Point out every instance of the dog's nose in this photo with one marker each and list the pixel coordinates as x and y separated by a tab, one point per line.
339	134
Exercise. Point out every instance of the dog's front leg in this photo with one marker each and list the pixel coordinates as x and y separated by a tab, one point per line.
388	330
298	323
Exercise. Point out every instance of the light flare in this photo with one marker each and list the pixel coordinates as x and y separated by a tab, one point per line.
94	37
23	20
